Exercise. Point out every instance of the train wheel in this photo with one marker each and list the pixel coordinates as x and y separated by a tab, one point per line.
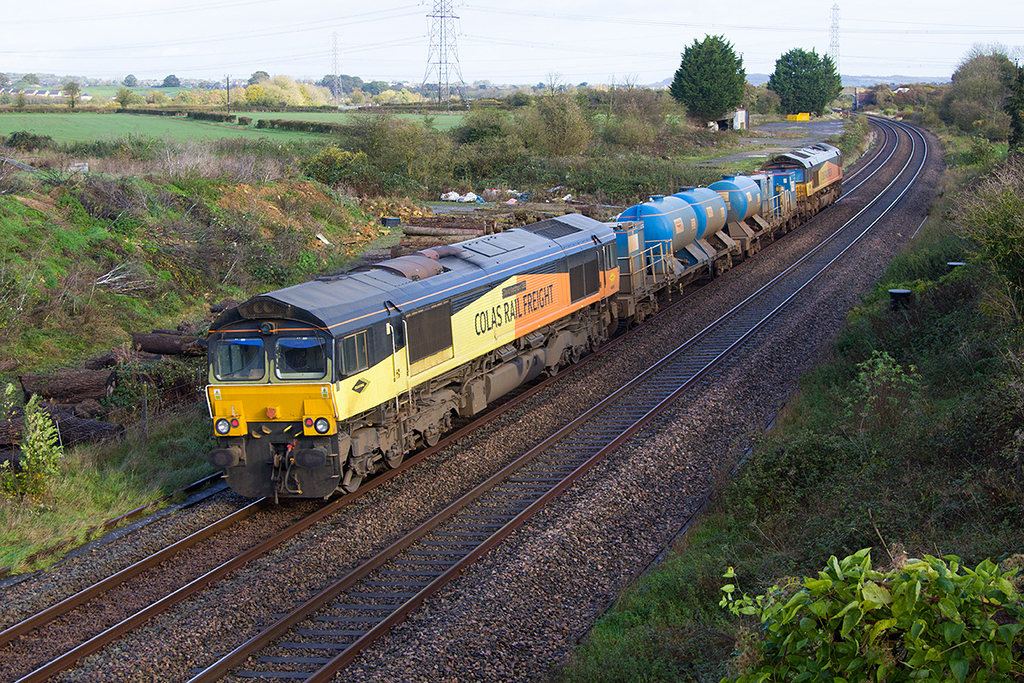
394	458
351	481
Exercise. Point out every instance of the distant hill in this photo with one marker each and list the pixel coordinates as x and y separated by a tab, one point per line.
848	81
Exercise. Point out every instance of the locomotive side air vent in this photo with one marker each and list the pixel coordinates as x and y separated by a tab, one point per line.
260	307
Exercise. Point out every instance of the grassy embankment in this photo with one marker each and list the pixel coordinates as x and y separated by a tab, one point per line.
907	437
87	261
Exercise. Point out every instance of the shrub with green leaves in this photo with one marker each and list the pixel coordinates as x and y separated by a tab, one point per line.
333	166
40	457
883	392
923	620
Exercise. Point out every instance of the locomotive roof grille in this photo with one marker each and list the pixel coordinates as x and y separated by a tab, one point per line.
550	229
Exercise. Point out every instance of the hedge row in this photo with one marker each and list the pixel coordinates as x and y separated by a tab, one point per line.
301	126
212	116
155	112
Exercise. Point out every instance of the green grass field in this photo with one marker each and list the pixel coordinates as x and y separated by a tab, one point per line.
86	126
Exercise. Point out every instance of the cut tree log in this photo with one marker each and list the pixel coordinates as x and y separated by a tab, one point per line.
440	231
169	344
70	386
73	430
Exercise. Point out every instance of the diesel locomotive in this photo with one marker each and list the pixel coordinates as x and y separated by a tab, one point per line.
315	387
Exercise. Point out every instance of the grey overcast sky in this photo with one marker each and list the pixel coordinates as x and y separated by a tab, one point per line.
511	42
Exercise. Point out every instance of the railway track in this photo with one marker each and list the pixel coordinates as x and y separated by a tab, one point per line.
352	613
393	582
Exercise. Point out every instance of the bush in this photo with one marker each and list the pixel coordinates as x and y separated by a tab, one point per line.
333	167
993	216
29	142
927	619
40	457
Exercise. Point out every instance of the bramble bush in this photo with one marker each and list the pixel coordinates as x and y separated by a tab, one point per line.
923	620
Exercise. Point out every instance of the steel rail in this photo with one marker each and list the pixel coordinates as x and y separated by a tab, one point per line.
66	605
110	524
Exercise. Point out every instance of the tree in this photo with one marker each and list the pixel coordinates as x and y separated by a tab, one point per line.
172	81
30	78
258	77
375	87
1015	108
41	453
976	98
767	101
124	97
710	79
130	81
21	101
805	82
71	93
4	80
882	95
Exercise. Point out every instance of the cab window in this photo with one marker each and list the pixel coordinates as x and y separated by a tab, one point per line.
238	359
301	358
353	354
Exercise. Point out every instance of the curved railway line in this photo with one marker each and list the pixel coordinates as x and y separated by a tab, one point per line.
331	623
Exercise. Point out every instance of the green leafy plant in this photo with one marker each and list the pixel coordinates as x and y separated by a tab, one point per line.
923	620
41	453
7	401
883	391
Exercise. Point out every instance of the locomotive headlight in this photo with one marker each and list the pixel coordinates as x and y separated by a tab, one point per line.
222	426
322	426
